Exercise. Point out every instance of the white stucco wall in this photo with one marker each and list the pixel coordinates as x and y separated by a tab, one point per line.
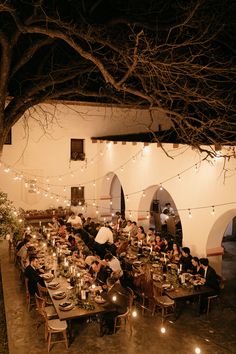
48	155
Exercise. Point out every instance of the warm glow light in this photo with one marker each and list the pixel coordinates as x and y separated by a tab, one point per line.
179	178
114	298
163	330
134	313
161	188
189	213
197	350
144	195
213	210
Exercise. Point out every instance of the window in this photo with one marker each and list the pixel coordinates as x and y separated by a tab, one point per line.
77	150
77	195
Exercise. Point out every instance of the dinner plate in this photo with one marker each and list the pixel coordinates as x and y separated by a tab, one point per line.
66	306
155	265
54	286
99	300
59	295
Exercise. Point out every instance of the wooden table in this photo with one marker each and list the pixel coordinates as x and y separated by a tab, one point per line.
185	293
76	312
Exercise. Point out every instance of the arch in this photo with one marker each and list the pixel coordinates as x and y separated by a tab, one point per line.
217	231
111	197
214	249
150	195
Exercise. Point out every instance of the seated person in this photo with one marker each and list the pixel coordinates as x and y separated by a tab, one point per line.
209	275
114	263
150	236
128	227
117	300
157	244
210	280
197	269
166	247
175	254
186	260
33	275
22	253
102	272
74	220
54	224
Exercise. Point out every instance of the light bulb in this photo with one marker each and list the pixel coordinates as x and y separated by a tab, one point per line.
163	330
114	298
134	313
197	350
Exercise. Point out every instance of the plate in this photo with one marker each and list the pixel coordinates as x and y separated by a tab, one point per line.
54	286
59	295
66	306
155	265
99	300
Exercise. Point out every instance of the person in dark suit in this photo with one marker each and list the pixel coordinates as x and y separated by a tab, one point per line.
117	302
33	275
210	276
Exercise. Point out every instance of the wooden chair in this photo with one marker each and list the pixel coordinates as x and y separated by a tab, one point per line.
29	298
43	293
41	308
122	320
162	302
54	327
209	301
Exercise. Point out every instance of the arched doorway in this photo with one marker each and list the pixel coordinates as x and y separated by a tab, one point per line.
112	196
214	247
152	202
117	196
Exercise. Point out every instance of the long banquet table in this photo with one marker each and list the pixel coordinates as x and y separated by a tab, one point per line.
76	311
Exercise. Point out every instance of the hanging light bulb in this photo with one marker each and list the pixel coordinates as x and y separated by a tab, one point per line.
110	202
196	168
94	183
144	194
179	178
134	313
7	169
64	189
47	180
97	211
122	168
189	213
163	330
45	195
57	200
114	298
101	153
197	350
161	188
134	159
94	204
48	188
127	198
79	187
147	216
130	214
26	184
108	178
59	178
213	210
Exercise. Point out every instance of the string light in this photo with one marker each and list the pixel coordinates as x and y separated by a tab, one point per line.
197	350
122	168
179	177
144	194
147	216
213	210
189	213
127	198
196	168
114	298
134	313
163	330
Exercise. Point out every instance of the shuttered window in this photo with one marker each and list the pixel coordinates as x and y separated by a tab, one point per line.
77	150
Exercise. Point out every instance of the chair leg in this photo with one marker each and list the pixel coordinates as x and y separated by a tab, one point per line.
49	341
66	340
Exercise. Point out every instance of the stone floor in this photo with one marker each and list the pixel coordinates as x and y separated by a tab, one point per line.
215	335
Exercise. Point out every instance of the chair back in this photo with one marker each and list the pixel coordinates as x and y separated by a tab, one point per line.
27	287
43	292
157	289
131	297
40	304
